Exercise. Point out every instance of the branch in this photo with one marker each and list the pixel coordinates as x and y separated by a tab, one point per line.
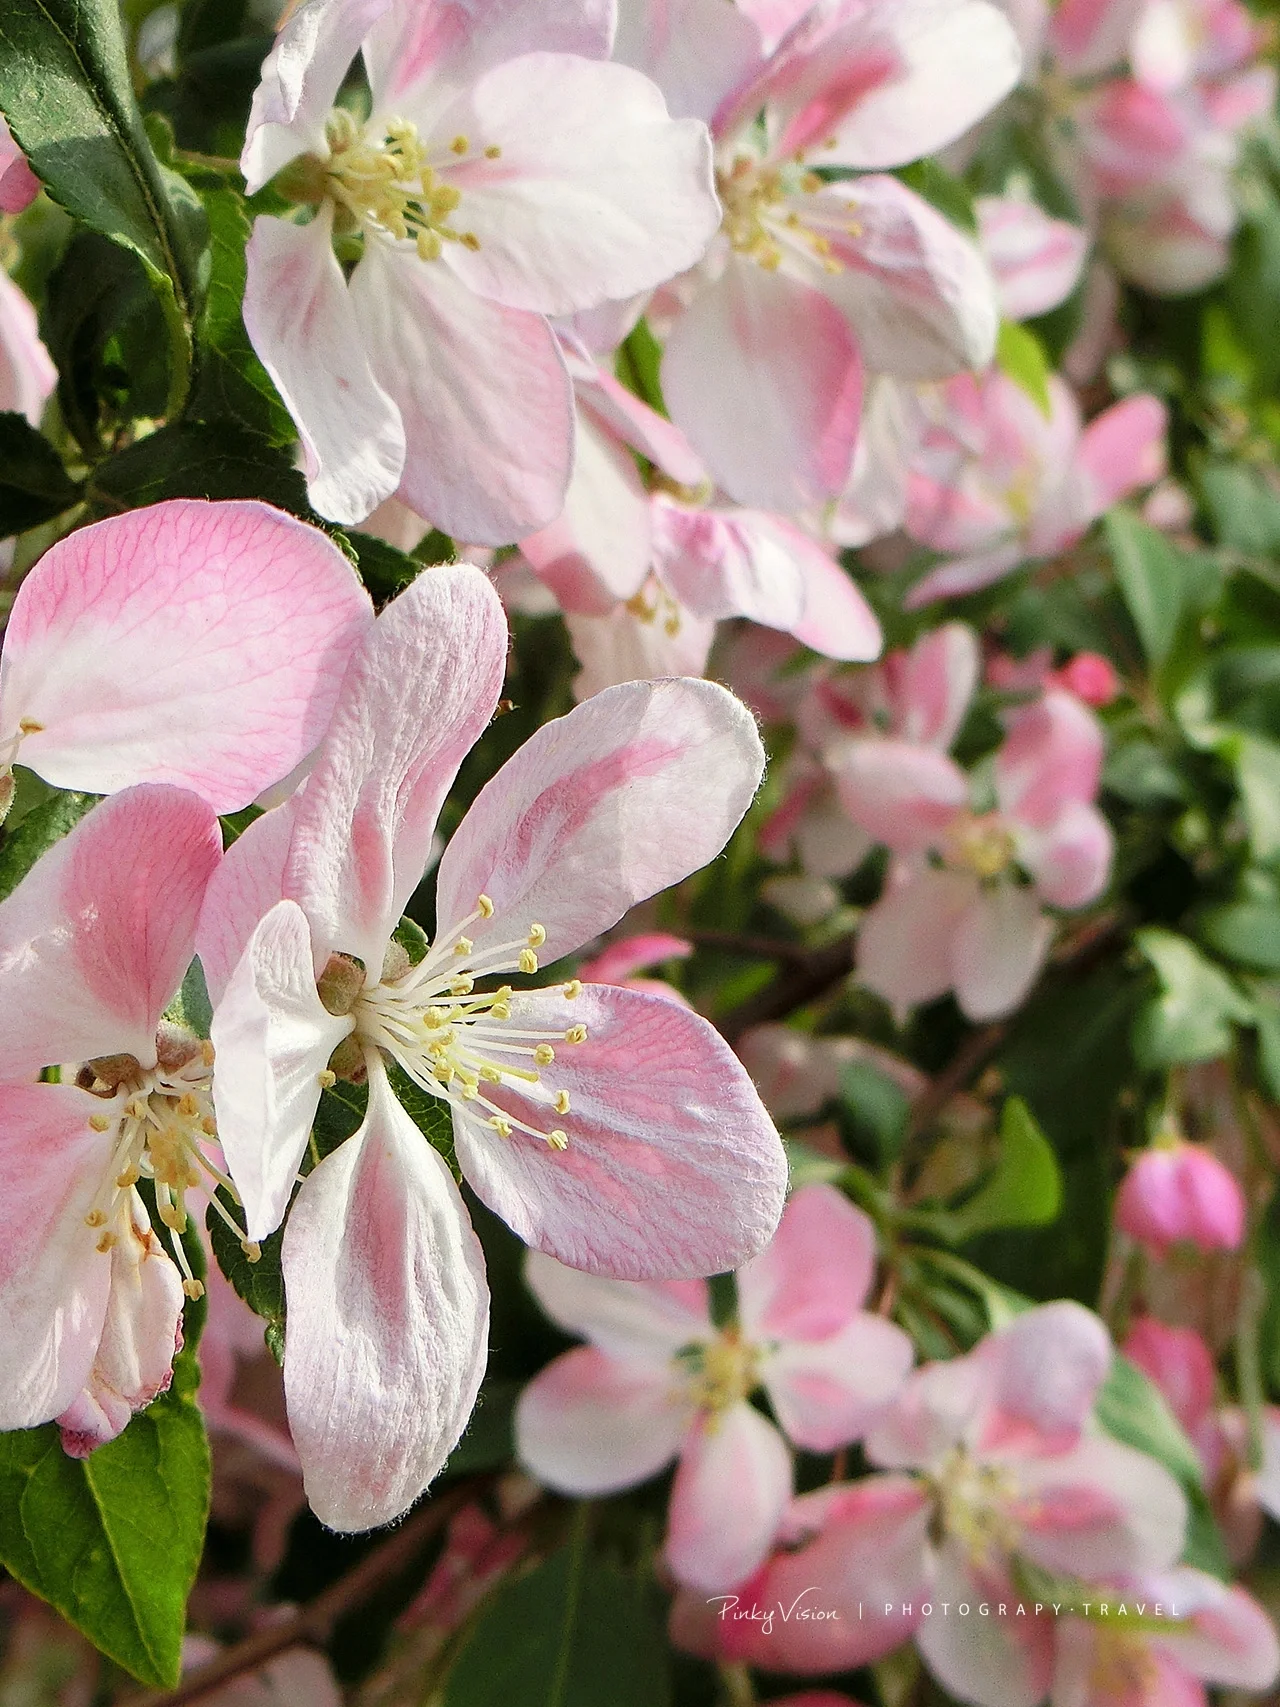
811	976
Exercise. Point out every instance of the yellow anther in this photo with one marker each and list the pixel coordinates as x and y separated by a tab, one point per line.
557	1139
173	1217
544	1054
209	1126
493	152
528	961
137	1108
326	1079
429	245
562	1102
464	945
462	986
491	1075
484	906
576	1034
207	1053
29	726
537	935
459	145
469	240
572	988
106	1241
188	1106
100	1122
434	1018
500	1010
95	1218
500	1126
193	1289
129	1177
252	1249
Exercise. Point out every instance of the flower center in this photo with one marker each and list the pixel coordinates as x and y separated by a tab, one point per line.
1123	1668
972	1506
980	843
757	218
462	1045
653	603
721	1372
394	184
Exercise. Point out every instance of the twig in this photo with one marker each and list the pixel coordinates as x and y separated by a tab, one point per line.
313	1624
757	947
819	971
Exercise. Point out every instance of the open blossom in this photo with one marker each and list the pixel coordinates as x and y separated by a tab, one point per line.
94	943
188	643
811	281
503	175
997	481
607	1126
660	1381
1175	1191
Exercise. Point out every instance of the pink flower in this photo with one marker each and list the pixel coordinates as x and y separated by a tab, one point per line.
810	280
503	175
611	1128
189	643
660	1381
997	482
1178	1191
94	943
619	962
1091	677
27	375
19	185
967	922
1037	260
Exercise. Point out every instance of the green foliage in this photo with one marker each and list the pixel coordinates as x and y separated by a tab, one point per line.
260	1283
1191	1018
198	459
1025	1188
34	486
1021	355
44	825
1152	579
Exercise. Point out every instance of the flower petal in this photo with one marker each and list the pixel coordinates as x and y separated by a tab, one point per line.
593	813
816	1273
1123	449
1070	860
826	1393
903	795
591	1424
27	374
1098	1510
906	944
388	1320
1037	260
634	1321
188	643
97	937
730	1492
696	51
722	563
1000	945
1051	757
673	1168
990	1660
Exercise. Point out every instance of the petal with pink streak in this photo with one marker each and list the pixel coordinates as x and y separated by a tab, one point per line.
614	198
97	937
1089	36
1100	1509
634	1321
903	795
1041	1376
618	961
939	677
1037	260
1223	1635
763	373
388	1320
1000	945
243	890
599	548
140	1335
621	413
837	620
189	643
306	327
991	1661
727	1501
1071	860
591	1424
939	1407
420	690
19	185
273	1038
696	51
963	575
482	391
1123	450
906	944
53	1280
826	1393
593	813
1181	1365
1051	756
816	1272
672	1168
27	375
721	563
626	647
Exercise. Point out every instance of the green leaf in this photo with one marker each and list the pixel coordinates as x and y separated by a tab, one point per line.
1151	578
873	1111
66	92
1191	1019
1026	1188
1256	762
949	194
39	830
113	1541
34	486
413	940
1245	931
576	1631
1020	355
198	459
191	1006
261	1283
1267	1020
640	365
383	569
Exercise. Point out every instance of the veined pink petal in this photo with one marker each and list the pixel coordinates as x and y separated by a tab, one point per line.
1123	449
591	1424
1071	859
1051	758
27	375
672	1168
903	795
388	1320
696	51
763	373
273	1038
1037	260
97	937
306	328
815	1274
418	693
140	1335
188	643
634	1321
1099	1509
482	391
906	945
53	1279
592	813
826	1393
727	1502
1000	945
614	198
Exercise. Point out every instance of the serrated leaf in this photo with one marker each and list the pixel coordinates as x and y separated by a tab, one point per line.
383	569
66	92
1020	356
113	1541
34	486
1151	580
198	459
1025	1189
1192	1017
39	830
191	1006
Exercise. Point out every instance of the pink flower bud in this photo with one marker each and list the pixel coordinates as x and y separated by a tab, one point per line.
1179	1191
1091	677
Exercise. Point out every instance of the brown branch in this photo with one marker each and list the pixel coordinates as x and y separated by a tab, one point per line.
818	971
312	1625
756	947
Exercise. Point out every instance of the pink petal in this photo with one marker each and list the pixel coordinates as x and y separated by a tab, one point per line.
1088	36
483	393
673	1168
721	563
964	575
939	677
1101	1508
1039	1379
939	1407
837	620
388	1320
993	1660
589	1424
623	647
616	963
244	889
97	937
696	51
763	373
19	185
1037	260
604	791
1071	860
304	324
273	1038
27	375
621	413
190	643
903	795
815	1275
1123	449
727	1502
1051	757
1223	1636
53	1280
363	825
1180	1364
826	1393
906	944
1000	945
613	199
634	1321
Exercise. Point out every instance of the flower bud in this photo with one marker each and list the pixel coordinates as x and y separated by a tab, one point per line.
1091	677
1176	1191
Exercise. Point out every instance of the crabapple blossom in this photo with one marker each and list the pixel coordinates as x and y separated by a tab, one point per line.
644	1151
1175	1191
190	643
997	481
503	175
27	375
1037	261
811	279
660	1380
94	943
